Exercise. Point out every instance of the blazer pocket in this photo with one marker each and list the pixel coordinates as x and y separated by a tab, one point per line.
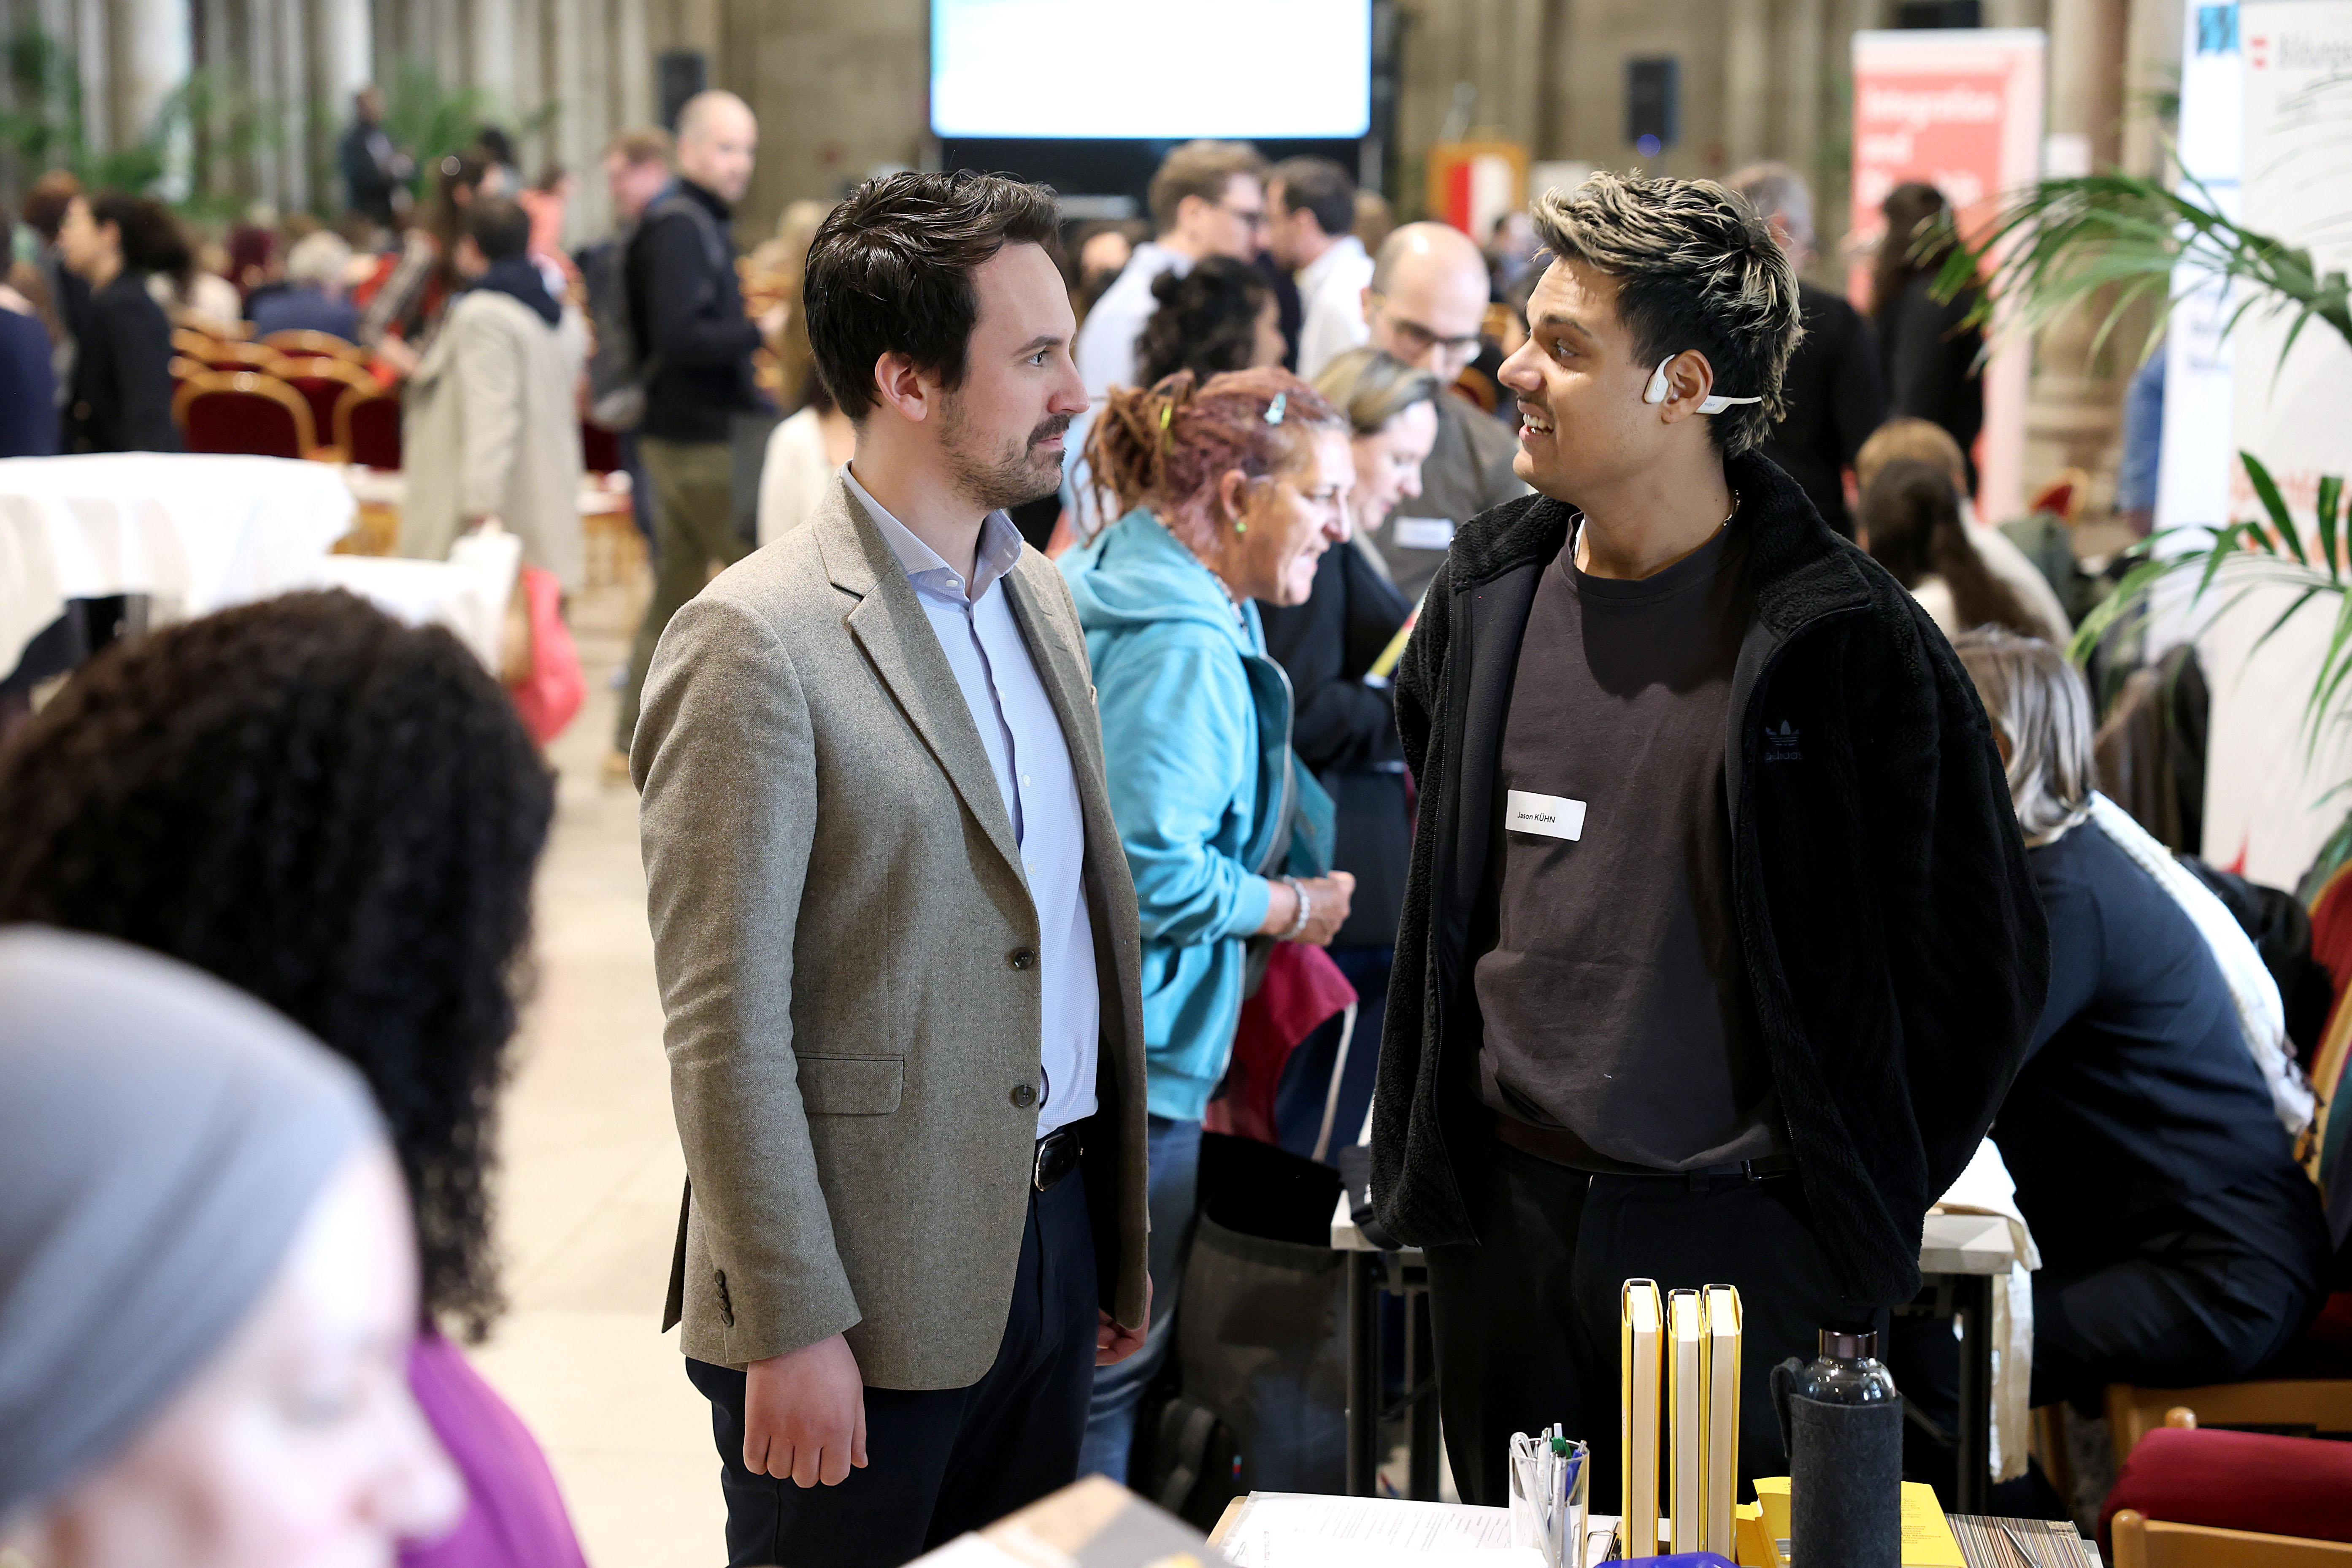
852	1086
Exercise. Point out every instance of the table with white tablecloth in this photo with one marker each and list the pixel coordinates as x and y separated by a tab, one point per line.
198	532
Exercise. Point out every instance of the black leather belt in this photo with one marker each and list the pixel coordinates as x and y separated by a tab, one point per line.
1057	1156
1564	1148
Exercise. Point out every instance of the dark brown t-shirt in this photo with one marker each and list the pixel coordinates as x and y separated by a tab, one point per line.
1615	998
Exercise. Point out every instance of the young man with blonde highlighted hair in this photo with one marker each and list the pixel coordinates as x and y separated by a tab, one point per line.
1719	947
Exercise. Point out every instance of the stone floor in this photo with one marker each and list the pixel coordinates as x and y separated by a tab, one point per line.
588	1195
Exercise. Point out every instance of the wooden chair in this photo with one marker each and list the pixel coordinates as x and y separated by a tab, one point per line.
190	343
2317	1404
301	344
367	427
230	356
185	369
322	382
2143	1542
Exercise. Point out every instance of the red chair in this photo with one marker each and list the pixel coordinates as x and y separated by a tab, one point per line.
322	382
367	427
231	356
240	410
2299	1488
600	449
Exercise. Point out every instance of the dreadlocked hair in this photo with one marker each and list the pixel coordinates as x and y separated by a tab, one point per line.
1165	447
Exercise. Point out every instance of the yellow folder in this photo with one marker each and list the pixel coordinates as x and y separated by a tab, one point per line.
1928	1538
1722	1325
1643	1347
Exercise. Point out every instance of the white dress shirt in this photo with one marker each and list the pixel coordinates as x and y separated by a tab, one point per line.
1031	758
1332	293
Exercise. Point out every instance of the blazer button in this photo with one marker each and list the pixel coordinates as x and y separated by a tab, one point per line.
1024	1095
1023	959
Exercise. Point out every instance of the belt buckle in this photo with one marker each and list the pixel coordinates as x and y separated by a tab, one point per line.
1057	1157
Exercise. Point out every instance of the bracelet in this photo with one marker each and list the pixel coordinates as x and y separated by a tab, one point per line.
1306	909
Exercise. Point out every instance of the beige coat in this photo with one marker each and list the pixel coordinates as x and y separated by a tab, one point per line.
843	936
490	426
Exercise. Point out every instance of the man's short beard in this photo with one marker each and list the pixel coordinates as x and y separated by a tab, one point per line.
1007	478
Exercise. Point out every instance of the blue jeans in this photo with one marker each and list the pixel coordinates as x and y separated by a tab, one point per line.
1174	1152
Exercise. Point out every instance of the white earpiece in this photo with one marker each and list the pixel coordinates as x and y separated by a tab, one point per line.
1657	389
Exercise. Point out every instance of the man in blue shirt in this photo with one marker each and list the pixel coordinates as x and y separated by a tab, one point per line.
895	930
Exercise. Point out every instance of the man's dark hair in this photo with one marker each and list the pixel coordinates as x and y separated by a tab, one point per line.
334	812
890	272
1696	268
1320	186
500	227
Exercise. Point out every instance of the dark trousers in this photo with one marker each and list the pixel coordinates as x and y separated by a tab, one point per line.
939	1461
1527	1321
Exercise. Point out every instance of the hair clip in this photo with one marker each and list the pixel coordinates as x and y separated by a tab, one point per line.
1274	410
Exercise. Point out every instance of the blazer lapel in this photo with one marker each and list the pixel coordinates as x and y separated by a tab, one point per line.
890	626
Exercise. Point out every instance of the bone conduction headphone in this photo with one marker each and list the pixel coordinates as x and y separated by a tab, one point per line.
1656	391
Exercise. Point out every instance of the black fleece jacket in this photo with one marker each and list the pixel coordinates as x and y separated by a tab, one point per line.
1893	938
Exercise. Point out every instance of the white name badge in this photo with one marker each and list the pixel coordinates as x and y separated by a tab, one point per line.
1423	533
1553	815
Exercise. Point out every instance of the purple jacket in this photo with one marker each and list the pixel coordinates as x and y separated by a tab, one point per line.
515	1518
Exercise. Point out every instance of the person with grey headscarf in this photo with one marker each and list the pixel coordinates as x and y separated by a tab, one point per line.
208	1282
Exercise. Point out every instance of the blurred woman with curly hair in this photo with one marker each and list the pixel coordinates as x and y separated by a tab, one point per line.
340	814
1219	316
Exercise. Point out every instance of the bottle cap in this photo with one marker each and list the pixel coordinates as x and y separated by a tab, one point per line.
1849	1344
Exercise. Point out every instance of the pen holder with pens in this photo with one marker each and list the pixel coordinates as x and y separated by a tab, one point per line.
1550	1482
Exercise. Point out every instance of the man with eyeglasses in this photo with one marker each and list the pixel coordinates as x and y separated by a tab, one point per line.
1207	198
1426	305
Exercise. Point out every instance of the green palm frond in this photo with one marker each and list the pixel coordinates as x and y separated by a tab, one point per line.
2113	240
2237	560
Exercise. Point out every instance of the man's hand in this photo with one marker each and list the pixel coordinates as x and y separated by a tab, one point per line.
805	1415
1114	1344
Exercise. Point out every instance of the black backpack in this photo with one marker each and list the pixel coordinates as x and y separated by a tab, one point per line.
620	371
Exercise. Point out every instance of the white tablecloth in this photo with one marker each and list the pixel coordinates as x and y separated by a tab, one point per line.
468	592
197	531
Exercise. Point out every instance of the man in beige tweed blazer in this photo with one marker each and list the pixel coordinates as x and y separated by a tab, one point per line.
894	928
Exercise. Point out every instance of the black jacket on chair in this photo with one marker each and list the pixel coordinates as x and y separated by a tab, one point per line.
122	373
1892	934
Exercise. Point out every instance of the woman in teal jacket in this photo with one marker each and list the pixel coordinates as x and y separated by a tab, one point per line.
1231	492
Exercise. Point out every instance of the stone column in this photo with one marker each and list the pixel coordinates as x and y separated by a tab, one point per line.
490	51
1747	79
346	51
2075	412
633	65
1799	86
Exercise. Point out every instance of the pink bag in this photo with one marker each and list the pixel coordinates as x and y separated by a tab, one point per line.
552	692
